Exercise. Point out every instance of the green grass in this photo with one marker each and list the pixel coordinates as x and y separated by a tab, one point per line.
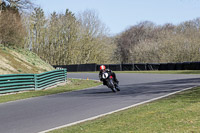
179	113
73	84
17	60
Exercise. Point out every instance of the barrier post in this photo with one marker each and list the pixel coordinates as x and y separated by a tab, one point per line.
65	74
35	80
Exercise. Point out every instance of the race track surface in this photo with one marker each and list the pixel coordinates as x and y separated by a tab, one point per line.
46	112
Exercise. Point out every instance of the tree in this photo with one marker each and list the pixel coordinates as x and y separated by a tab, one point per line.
37	30
52	34
168	43
127	40
66	39
62	36
19	4
11	27
12	30
95	46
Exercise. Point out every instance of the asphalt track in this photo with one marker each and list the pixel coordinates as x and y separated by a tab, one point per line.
42	113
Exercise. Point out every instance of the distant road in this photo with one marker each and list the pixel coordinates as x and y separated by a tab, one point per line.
46	112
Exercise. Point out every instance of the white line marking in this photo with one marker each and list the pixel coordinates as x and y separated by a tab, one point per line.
95	117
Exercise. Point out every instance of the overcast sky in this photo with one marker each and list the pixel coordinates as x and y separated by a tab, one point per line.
119	15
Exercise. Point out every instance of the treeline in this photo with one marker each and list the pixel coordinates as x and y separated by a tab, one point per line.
66	38
61	38
150	43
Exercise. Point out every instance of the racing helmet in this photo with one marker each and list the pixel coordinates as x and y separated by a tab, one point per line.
102	67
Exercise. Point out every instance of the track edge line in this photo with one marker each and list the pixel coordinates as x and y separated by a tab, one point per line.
101	115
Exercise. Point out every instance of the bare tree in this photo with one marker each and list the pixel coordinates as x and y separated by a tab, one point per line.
127	40
19	4
95	46
167	43
37	30
12	31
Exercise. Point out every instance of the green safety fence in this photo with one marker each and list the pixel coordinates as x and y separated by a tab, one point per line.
25	82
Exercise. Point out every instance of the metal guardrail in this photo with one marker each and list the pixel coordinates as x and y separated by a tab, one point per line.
132	67
25	82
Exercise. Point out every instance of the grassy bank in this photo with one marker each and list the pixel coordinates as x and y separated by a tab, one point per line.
16	60
175	114
73	84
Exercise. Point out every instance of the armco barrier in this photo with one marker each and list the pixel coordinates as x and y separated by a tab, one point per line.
86	67
179	66
115	67
78	67
25	82
16	82
140	67
133	67
153	66
127	67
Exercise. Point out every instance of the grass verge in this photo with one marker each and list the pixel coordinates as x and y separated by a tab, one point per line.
178	113
73	84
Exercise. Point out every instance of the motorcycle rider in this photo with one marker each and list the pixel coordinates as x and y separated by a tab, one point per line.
103	69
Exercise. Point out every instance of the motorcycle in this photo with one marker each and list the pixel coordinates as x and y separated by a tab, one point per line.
110	81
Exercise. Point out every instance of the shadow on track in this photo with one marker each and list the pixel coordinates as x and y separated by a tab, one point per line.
133	90
148	88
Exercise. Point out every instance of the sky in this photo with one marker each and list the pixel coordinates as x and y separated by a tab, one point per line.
119	15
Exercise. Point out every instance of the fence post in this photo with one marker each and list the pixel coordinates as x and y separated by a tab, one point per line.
65	74
35	80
